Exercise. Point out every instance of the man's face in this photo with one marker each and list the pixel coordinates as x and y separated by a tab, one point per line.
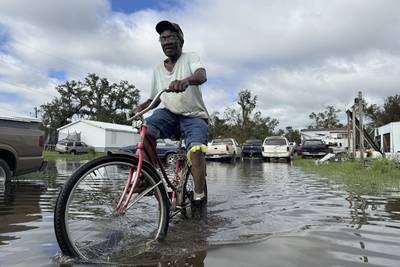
170	43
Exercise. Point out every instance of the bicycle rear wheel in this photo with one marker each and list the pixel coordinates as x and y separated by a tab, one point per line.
188	206
86	222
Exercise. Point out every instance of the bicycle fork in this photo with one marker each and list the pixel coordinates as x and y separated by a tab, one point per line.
128	190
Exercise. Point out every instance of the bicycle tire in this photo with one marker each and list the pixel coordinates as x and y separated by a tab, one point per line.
86	224
188	205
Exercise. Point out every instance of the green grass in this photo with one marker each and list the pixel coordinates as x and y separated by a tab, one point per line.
369	177
51	155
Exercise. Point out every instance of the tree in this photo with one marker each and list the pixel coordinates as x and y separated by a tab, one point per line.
107	102
262	126
293	135
60	110
247	104
326	119
94	99
390	112
217	126
239	124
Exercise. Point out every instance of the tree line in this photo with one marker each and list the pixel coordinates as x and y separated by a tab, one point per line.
95	98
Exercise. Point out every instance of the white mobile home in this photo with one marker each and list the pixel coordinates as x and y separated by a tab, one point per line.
336	136
388	137
100	135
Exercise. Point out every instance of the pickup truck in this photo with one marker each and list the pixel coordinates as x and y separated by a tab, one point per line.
252	147
226	148
21	146
314	148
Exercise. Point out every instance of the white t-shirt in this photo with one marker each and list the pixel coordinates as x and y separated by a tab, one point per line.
188	103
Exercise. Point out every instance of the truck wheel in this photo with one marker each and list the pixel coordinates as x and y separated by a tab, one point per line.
73	152
5	172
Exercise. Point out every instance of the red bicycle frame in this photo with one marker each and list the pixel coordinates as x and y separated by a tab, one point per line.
132	182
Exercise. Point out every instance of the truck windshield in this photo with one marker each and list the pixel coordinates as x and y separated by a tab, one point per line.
275	142
313	143
222	142
253	142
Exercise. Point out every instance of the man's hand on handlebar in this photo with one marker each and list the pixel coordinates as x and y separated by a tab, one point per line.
178	86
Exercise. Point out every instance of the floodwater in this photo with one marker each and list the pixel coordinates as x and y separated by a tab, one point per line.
259	214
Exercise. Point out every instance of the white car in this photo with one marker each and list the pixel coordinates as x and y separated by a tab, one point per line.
224	148
73	147
276	147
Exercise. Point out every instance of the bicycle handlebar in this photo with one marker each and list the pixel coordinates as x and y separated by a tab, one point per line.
149	107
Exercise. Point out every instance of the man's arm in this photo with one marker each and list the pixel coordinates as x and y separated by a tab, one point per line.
199	77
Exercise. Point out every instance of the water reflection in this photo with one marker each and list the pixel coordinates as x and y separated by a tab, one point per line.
283	209
373	210
393	208
19	205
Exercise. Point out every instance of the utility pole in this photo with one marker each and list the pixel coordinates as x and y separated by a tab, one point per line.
361	114
348	134
354	136
36	111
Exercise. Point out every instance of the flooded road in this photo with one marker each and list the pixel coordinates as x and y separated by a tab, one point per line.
259	214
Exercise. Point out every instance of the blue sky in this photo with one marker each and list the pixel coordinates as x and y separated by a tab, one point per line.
131	6
295	56
3	39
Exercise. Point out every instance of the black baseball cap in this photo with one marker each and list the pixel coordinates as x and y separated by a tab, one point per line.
167	25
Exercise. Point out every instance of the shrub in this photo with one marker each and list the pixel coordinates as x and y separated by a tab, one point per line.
384	165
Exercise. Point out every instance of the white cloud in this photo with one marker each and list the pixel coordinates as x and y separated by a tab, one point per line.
296	56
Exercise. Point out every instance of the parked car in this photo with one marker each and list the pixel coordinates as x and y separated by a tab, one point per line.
276	147
314	148
73	147
21	147
225	148
166	149
298	149
252	147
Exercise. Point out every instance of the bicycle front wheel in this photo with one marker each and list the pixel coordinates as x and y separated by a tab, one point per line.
86	222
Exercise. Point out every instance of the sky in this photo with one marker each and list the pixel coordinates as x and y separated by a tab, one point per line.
297	57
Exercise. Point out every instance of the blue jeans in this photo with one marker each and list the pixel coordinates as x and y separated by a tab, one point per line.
163	124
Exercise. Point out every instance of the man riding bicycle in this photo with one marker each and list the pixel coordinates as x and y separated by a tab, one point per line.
182	74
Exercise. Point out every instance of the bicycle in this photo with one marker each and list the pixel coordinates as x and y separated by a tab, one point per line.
121	199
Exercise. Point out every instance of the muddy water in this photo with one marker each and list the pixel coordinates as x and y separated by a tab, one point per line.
259	214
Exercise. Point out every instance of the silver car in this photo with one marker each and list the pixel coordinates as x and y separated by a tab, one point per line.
72	147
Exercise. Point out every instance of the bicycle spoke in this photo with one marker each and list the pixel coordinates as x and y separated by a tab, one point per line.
144	193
